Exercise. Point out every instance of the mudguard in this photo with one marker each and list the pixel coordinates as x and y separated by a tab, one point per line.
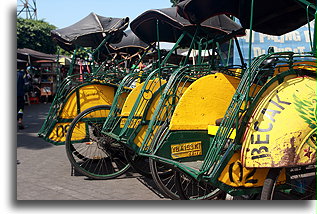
281	131
89	95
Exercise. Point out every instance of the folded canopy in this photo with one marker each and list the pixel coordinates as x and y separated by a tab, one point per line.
274	17
90	31
171	26
129	44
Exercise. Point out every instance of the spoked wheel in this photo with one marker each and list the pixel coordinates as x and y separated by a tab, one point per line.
90	152
175	184
164	175
300	184
165	178
190	189
139	163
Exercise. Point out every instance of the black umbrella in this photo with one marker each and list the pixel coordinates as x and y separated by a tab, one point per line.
274	17
90	32
171	26
129	44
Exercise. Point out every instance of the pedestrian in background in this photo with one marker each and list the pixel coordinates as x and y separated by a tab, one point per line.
21	75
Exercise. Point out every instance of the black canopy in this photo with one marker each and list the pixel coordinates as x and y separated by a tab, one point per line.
274	17
172	25
28	55
90	31
129	44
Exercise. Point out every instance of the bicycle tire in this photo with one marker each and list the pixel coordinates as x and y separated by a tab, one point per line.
307	187
106	159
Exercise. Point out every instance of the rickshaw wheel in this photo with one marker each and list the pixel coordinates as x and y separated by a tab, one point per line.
175	184
97	156
191	189
299	186
165	181
139	163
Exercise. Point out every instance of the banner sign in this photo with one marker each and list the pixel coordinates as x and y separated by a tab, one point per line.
297	41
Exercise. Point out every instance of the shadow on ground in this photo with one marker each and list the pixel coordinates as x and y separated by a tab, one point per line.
34	117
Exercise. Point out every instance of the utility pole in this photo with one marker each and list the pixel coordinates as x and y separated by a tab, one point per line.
27	9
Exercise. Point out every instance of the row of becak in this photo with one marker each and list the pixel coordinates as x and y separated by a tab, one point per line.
200	126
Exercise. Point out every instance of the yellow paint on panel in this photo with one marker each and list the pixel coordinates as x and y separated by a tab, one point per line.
205	101
151	109
212	130
151	87
58	134
281	129
122	99
235	175
89	95
138	140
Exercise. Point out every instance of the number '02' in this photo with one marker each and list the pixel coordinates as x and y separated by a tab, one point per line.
248	175
61	130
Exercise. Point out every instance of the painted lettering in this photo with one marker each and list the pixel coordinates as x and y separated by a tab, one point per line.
271	115
301	49
61	130
307	37
262	149
296	36
262	37
278	105
257	128
259	141
257	153
280	101
257	51
244	176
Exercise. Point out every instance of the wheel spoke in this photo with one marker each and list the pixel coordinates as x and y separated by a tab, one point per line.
97	156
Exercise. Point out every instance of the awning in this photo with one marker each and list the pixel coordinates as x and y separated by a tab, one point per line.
129	44
171	26
27	55
90	32
274	17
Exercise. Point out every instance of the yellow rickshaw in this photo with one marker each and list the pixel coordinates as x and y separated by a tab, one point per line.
254	137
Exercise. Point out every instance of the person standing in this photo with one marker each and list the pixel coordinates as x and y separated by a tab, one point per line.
20	97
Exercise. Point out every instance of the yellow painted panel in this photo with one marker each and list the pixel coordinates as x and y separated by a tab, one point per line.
138	140
140	137
235	175
58	134
281	129
90	95
212	130
122	99
205	101
153	86
182	87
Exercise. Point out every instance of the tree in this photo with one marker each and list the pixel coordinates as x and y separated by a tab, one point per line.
36	35
174	2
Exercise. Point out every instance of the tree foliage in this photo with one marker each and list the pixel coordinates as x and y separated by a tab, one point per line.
174	2
36	35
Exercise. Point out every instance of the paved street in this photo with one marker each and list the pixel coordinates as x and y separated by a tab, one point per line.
45	172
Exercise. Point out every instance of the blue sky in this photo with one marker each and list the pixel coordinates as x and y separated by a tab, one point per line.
63	13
